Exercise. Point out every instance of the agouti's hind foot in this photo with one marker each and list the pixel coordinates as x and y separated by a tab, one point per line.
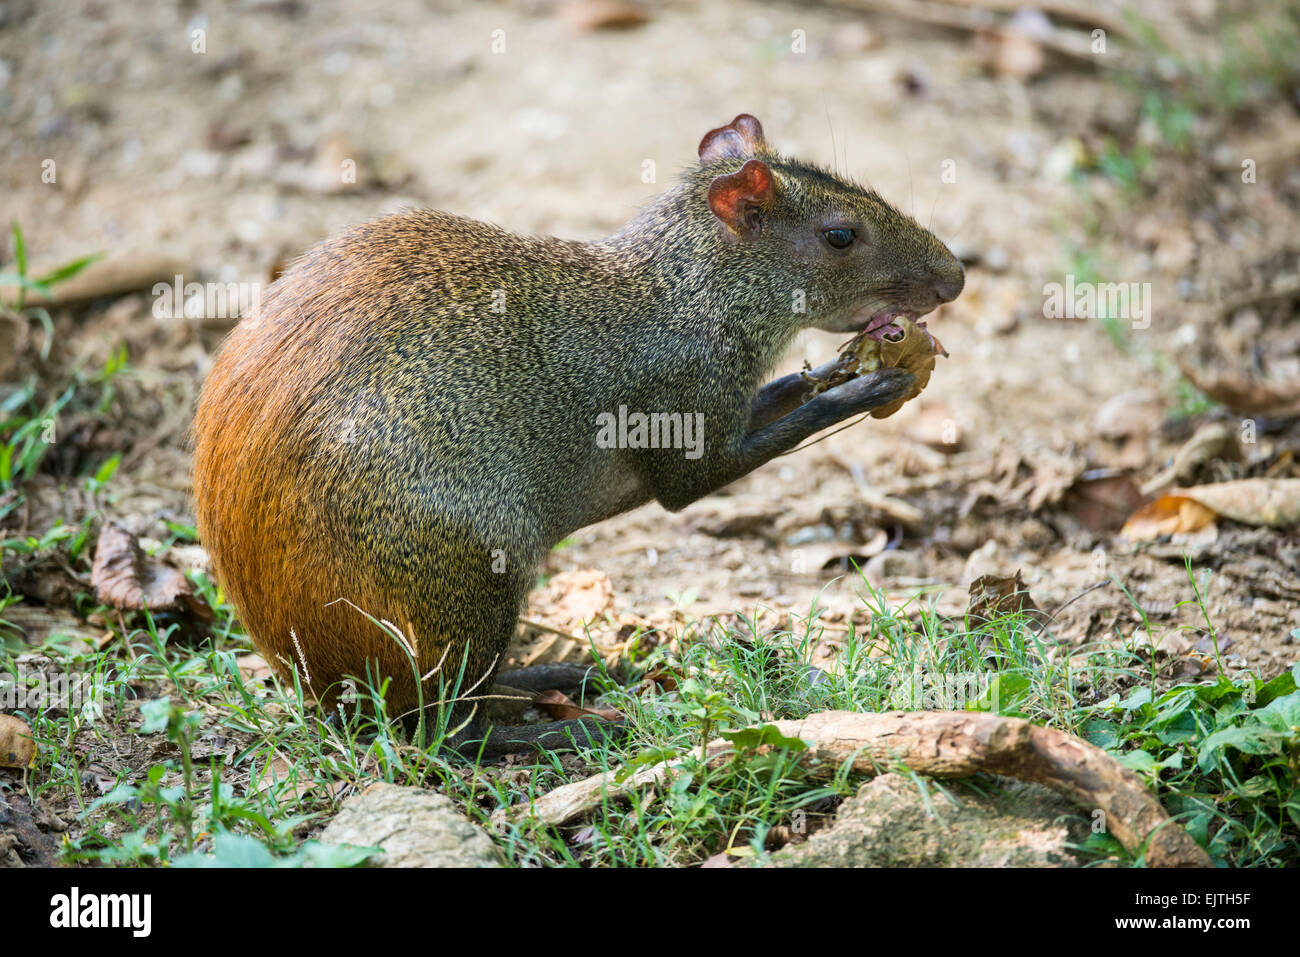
569	678
569	735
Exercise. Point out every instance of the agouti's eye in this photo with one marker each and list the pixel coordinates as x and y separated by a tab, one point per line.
839	238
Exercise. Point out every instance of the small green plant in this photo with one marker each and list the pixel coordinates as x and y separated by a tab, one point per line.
236	850
1125	166
705	707
29	414
1250	62
162	716
27	284
1189	401
1227	753
684	599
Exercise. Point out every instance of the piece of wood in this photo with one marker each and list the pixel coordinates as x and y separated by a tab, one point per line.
1086	14
1281	288
116	275
941	744
1069	43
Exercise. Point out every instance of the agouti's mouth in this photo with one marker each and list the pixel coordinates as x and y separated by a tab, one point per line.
884	323
876	322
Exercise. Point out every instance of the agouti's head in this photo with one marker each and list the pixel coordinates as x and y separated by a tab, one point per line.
852	260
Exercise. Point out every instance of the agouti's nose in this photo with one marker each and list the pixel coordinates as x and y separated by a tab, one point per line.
949	288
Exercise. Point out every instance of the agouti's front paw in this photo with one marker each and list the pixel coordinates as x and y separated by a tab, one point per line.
871	391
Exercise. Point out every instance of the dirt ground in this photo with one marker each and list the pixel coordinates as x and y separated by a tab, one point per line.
1027	451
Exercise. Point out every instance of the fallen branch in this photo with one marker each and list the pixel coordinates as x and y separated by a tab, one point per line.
1085	14
1074	44
1282	288
941	744
115	276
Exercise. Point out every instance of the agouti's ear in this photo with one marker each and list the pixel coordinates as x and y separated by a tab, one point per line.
742	137
736	197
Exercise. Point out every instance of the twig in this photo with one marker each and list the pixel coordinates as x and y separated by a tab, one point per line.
1068	602
1287	286
540	626
1071	43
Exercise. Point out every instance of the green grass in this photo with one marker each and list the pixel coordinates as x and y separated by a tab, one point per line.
1248	65
1221	754
1253	61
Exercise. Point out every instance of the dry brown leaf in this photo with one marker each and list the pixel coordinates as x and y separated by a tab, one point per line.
997	596
661	678
39	623
1211	441
101	777
1253	501
913	351
253	667
1102	499
1170	514
561	707
17	746
838	557
1247	396
1256	501
121	272
278	771
570	600
125	577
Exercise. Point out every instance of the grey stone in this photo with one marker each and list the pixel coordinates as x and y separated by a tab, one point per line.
888	824
416	828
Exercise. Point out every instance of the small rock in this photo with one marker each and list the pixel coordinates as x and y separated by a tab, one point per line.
1017	56
893	564
888	824
1136	412
985	560
416	828
854	37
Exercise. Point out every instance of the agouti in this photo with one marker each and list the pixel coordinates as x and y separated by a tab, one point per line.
419	408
